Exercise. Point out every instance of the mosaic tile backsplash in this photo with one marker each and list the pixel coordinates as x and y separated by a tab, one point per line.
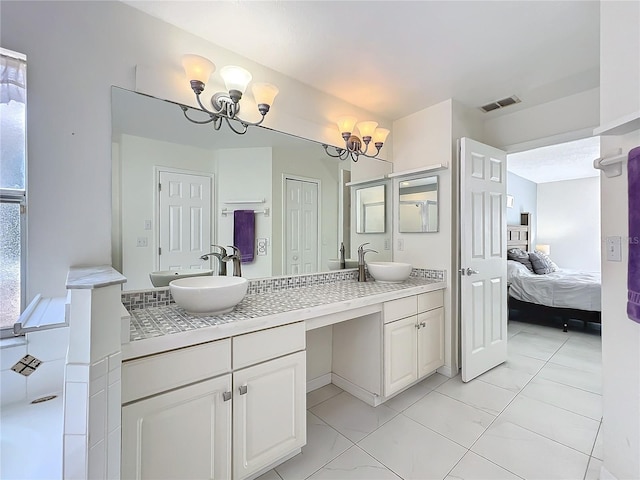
162	296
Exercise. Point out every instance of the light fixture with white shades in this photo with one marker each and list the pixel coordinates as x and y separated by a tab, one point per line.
353	144
225	106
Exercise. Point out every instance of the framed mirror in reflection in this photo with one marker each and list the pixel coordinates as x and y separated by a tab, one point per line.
370	213
179	188
418	205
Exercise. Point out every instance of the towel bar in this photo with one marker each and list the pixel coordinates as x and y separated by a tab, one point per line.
224	212
611	166
231	202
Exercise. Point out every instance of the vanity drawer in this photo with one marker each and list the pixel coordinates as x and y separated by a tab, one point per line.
430	300
266	344
158	373
401	308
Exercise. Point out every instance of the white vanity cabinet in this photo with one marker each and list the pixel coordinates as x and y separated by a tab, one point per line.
185	409
413	339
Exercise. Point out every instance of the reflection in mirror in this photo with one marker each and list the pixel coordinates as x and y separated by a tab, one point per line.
370	213
418	205
177	188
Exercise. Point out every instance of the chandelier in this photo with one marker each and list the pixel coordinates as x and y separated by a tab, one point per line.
353	144
225	105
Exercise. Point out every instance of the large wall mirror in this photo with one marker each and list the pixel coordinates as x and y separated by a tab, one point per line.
371	209
418	205
177	187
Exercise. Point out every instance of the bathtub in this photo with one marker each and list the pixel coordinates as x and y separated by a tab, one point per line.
31	441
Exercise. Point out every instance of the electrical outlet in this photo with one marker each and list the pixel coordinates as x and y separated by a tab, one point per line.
142	242
262	247
386	244
400	244
614	249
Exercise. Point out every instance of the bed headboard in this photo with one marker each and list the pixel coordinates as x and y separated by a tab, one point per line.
519	236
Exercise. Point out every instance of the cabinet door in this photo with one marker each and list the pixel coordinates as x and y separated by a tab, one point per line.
185	433
269	413
430	341
400	354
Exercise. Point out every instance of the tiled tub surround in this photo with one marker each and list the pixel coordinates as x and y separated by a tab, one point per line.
158	324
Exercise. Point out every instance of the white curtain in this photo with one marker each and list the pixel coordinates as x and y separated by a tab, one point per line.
12	79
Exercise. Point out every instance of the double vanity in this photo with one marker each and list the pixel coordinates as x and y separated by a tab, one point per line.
225	396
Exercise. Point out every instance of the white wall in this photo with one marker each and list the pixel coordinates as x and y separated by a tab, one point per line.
620	96
421	139
73	62
568	221
241	174
567	114
525	199
308	162
138	156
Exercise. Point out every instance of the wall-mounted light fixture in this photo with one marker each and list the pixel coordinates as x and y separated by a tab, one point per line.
353	144
226	105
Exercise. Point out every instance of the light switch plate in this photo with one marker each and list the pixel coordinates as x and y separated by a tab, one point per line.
614	249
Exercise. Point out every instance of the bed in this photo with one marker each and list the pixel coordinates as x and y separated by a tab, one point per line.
563	294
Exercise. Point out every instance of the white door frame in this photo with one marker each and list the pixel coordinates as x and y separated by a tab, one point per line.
156	204
318	182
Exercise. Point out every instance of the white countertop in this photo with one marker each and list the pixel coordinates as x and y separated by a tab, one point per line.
158	329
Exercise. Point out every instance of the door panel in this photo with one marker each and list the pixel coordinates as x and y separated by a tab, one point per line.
430	341
185	433
269	413
483	311
184	220
302	214
400	354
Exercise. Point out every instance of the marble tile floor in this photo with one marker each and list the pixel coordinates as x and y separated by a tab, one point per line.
538	416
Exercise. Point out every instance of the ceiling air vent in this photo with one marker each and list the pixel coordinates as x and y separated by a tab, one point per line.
505	102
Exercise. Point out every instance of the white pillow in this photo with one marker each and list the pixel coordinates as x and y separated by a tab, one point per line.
517	269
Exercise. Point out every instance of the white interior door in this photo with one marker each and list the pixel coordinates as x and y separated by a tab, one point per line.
483	309
301	227
184	220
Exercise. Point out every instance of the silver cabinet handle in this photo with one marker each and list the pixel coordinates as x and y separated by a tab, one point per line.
423	324
243	390
418	326
471	271
226	396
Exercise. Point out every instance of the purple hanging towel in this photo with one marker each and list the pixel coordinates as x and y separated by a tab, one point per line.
244	233
633	280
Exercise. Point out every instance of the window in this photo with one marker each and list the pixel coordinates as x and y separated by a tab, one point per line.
13	192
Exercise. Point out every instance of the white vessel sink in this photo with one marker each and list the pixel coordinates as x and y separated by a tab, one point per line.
211	295
163	277
391	272
334	263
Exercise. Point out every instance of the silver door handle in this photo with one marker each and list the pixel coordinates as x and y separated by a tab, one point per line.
243	390
226	396
295	257
471	271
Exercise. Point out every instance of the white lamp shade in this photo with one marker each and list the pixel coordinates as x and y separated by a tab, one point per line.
235	78
346	123
380	135
367	128
543	248
264	93
197	67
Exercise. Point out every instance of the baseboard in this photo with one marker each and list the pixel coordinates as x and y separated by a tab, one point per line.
606	474
447	371
318	382
358	392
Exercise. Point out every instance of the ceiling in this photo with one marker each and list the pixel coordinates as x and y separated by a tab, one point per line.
394	58
566	161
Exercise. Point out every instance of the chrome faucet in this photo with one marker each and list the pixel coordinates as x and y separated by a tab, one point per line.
362	275
222	263
235	256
